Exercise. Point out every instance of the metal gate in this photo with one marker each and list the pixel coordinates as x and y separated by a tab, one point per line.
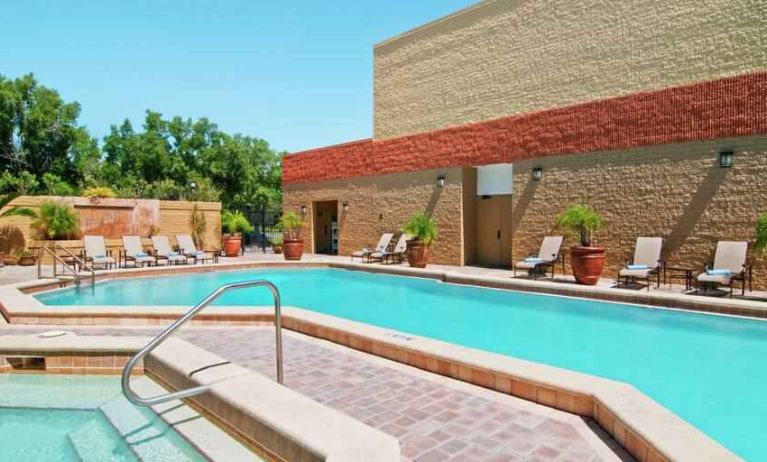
265	230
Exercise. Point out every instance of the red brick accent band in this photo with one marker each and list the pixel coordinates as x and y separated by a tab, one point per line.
728	107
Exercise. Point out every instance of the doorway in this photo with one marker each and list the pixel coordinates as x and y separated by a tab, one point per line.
325	227
493	234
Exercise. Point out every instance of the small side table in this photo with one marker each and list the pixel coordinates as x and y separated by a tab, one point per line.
675	272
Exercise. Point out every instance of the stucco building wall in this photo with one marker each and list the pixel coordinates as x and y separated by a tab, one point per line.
505	57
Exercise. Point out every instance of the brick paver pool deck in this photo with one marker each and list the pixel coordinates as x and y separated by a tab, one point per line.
435	418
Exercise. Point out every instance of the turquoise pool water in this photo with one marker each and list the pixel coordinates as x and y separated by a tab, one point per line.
708	369
80	418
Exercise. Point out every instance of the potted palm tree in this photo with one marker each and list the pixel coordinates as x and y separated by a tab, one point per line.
234	224
12	212
26	258
276	245
586	259
292	243
424	231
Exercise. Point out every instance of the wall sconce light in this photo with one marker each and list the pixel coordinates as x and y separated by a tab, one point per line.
441	181
345	207
537	173
303	210
725	159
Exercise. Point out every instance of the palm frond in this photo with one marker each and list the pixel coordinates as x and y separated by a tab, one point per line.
19	212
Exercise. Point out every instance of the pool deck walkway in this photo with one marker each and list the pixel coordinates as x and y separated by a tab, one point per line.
435	418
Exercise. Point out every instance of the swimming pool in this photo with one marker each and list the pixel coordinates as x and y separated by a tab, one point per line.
707	369
80	418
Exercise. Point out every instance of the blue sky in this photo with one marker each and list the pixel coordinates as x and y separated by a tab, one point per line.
297	73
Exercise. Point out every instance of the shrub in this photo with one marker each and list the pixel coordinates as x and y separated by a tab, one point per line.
197	223
11	236
56	221
292	224
422	227
582	220
761	234
55	186
235	223
99	192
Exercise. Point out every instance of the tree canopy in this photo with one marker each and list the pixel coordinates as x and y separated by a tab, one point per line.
43	150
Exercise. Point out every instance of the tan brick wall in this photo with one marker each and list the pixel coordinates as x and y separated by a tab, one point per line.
505	57
383	204
678	192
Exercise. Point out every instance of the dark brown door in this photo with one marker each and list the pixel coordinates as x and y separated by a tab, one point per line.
325	213
494	231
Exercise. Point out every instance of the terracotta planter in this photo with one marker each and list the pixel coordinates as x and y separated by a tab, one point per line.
293	249
587	264
232	245
27	260
277	249
417	254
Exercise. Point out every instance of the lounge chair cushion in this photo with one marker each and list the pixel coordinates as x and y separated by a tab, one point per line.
533	260
360	253
715	278
531	264
103	259
718	272
637	267
635	273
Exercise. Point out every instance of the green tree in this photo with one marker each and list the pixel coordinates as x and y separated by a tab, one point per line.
43	150
37	129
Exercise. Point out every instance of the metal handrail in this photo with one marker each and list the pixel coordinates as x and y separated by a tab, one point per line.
80	262
56	259
138	400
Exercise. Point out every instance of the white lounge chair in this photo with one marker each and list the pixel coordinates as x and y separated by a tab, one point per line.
96	252
163	251
382	246
397	253
646	262
547	257
729	265
188	248
133	251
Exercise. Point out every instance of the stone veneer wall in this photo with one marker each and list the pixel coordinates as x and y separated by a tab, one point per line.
383	204
675	191
504	57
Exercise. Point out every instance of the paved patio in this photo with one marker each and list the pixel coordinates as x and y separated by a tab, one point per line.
435	418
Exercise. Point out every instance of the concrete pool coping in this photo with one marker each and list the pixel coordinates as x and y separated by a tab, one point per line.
280	423
642	426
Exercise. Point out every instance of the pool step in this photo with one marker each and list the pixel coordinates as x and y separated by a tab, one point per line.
95	441
147	434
